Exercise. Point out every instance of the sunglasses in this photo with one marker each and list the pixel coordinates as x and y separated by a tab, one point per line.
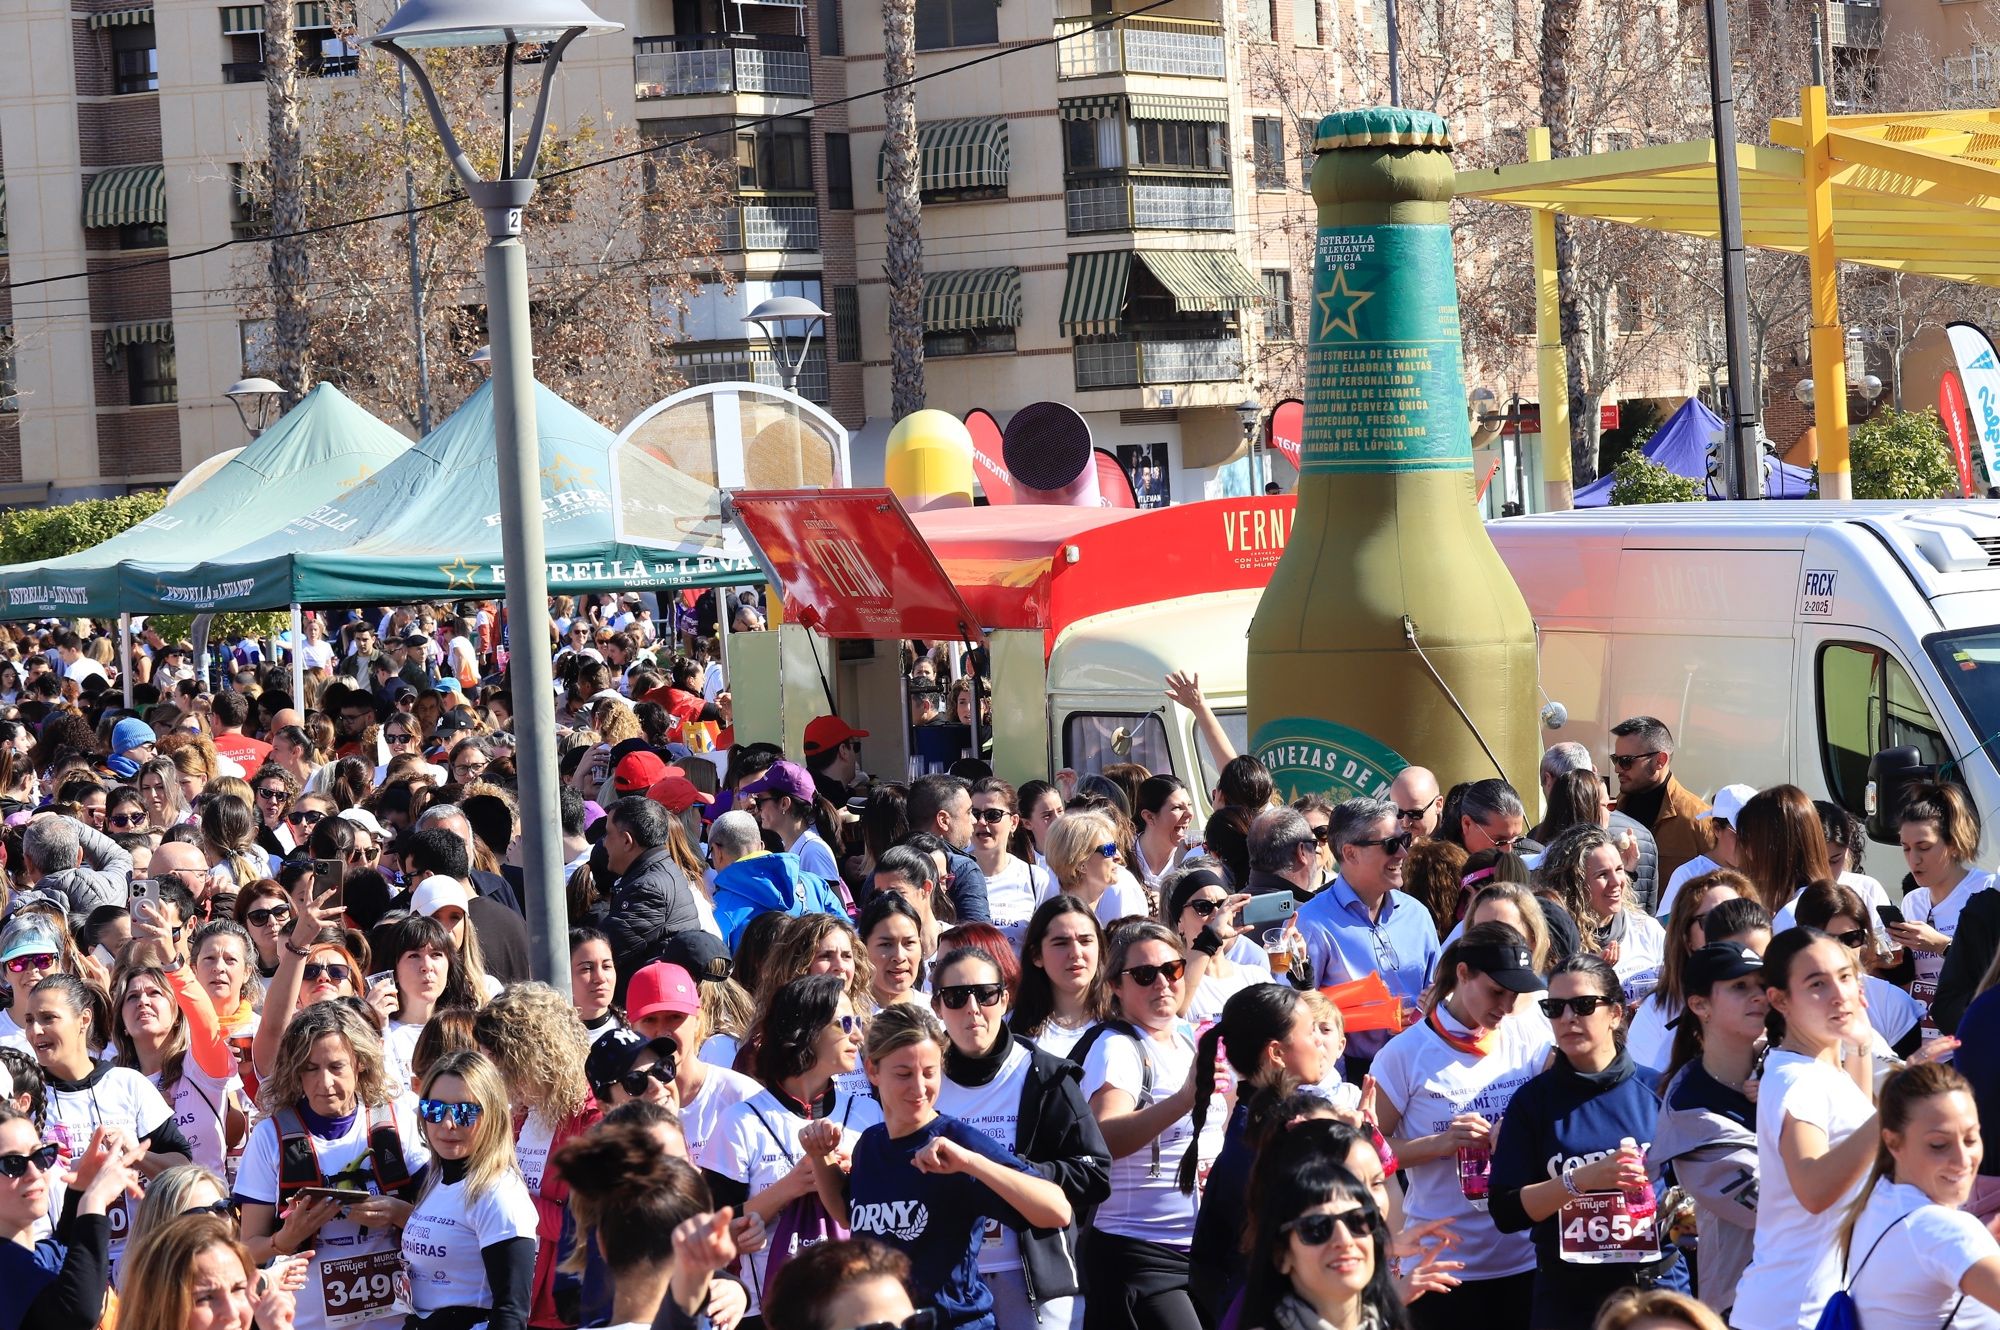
1583	1006
223	1209
1321	834
1391	845
43	1157
1316	1230
277	794
398	736
1145	975
634	1082
332	971
847	1024
1204	908
1108	850
439	1111
1412	814
1853	940
264	914
306	817
955	996
990	816
1625	763
127	819
38	963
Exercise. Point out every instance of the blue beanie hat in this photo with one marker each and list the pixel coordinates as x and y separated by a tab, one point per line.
128	734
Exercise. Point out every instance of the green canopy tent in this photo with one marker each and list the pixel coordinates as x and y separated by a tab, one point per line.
426	527
322	447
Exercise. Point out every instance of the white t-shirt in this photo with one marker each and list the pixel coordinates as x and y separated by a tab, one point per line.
1057	1039
1214	990
318	653
83	667
1911	1280
1686	873
1122	898
1795	1266
1649	1041
448	1231
758	1143
721	1089
1943	916
399	1046
13	1036
112	1097
1891	1011
1012	895
1641	952
201	1106
346	1162
994	1108
719	1050
1429	1083
1144	1202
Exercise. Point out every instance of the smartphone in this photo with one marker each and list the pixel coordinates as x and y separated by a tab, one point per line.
368	986
345	1195
146	889
330	875
1270	908
1890	914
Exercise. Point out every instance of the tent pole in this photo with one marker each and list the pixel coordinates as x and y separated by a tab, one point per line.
1551	367
298	658
722	597
125	657
1829	334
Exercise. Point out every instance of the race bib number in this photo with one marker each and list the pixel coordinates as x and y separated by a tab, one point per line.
990	1238
360	1289
1595	1230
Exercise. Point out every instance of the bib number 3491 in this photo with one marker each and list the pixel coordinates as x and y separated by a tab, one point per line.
1595	1230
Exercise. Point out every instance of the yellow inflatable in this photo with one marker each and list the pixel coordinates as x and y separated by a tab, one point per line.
928	461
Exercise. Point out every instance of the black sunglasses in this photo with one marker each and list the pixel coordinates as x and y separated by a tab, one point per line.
127	819
990	815
306	817
1624	763
1316	1230
634	1082
1583	1006
225	1209
955	996
1854	939
1391	845
332	970
264	914
1145	975
1412	814
1321	833
43	1157
1205	908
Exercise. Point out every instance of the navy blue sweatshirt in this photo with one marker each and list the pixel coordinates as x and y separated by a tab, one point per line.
1978	1060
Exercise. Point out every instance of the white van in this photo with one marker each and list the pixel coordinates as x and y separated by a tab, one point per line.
1782	642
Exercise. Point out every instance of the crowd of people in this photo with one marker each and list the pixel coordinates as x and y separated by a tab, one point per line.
844	1053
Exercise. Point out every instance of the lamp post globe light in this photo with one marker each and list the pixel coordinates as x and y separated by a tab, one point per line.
775	317
510	24
262	397
1247	412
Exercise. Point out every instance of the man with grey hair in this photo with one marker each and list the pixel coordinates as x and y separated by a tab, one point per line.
1491	817
1363	923
74	864
1284	854
1643	753
1642	853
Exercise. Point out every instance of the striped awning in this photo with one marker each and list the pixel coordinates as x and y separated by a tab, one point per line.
972	298
247	20
1204	281
1101	106
956	154
120	335
1094	292
122	18
126	196
3	216
1205	110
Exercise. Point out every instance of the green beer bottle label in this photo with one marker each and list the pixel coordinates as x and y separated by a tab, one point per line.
1384	388
1311	756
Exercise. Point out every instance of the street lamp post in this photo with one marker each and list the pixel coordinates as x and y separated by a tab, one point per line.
510	24
1247	412
775	317
263	397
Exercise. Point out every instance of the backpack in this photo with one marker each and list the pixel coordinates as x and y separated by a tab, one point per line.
298	1158
1132	1032
1842	1312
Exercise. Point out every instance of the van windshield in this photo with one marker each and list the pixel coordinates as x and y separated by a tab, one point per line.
1970	664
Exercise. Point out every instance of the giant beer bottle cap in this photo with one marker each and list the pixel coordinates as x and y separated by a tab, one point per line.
1382	127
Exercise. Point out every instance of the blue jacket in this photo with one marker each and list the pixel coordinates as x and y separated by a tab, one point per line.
749	887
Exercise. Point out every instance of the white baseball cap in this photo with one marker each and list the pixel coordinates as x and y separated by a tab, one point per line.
1729	801
437	891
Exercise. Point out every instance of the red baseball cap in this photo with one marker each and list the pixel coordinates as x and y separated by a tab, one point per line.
637	772
660	987
825	733
677	794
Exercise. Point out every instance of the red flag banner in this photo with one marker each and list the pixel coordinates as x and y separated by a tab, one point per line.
1288	429
1956	413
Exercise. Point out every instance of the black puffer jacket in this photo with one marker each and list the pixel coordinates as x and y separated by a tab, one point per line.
1057	1134
650	902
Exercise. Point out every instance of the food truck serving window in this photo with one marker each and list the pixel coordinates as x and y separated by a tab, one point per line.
1094	740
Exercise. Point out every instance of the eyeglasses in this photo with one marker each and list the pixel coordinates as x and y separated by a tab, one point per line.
332	971
1391	845
990	816
439	1111
1583	1006
43	1157
1316	1230
1625	762
955	996
265	914
927	1319
1108	850
127	819
1204	907
1145	975
40	964
470	768
1501	842
306	817
1853	940
223	1209
634	1082
277	794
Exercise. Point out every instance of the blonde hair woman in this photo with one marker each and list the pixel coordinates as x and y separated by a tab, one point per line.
1086	856
196	1274
1514	905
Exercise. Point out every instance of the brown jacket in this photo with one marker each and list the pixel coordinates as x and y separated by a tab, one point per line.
1677	831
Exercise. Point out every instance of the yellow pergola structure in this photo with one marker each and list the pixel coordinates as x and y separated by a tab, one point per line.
1917	192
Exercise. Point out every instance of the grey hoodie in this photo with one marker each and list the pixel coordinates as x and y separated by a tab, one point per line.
1711	1146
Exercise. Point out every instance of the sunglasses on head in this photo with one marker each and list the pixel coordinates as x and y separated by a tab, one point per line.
1145	975
43	1157
990	816
332	971
223	1209
1316	1230
38	963
440	1111
1391	845
1625	763
306	817
1583	1006
955	996
634	1082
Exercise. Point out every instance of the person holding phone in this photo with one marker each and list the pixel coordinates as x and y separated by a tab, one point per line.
1205	913
315	967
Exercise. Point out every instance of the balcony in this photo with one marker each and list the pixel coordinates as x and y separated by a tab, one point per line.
708	64
1150	203
1128	362
787	222
1855	25
314	66
1187	48
750	365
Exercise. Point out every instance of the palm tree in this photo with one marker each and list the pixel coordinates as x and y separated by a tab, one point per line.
291	324
902	209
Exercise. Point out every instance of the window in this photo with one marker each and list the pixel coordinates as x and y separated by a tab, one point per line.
1277	305
1867	702
968	342
248	215
839	173
847	324
1503	29
942	23
1093	145
1185	144
135	61
831	40
1305	22
1093	740
1267	138
775	156
149	374
254	338
1374	24
9	398
143	235
1308	136
1631	314
1257	18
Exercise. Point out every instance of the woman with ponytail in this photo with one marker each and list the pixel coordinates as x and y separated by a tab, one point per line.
1029	1102
1321	1258
1268	1035
1911	1254
1578	1128
1443	1085
1200	907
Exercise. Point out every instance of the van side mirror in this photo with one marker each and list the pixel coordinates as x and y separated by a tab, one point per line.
1892	774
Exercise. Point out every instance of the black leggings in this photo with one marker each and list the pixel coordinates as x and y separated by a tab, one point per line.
1135	1285
1478	1304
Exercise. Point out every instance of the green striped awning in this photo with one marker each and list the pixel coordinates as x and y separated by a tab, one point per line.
972	298
126	196
956	154
1101	106
122	18
1094	292
1205	110
1204	281
120	335
247	20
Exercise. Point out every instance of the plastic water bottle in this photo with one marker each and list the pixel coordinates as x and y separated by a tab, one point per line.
1639	1201
1475	1167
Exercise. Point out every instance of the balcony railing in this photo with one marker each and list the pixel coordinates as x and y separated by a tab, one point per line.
705	64
1189	48
1855	25
788	222
1150	203
751	365
1127	362
317	66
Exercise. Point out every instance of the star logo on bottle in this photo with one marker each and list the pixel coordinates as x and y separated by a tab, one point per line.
461	573
1335	294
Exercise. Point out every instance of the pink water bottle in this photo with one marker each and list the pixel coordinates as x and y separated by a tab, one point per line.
1383	1150
1475	1166
1639	1201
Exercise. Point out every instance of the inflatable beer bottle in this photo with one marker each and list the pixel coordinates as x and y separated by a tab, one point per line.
1387	566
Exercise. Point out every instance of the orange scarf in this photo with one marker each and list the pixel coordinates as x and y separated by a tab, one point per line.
1478	1045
